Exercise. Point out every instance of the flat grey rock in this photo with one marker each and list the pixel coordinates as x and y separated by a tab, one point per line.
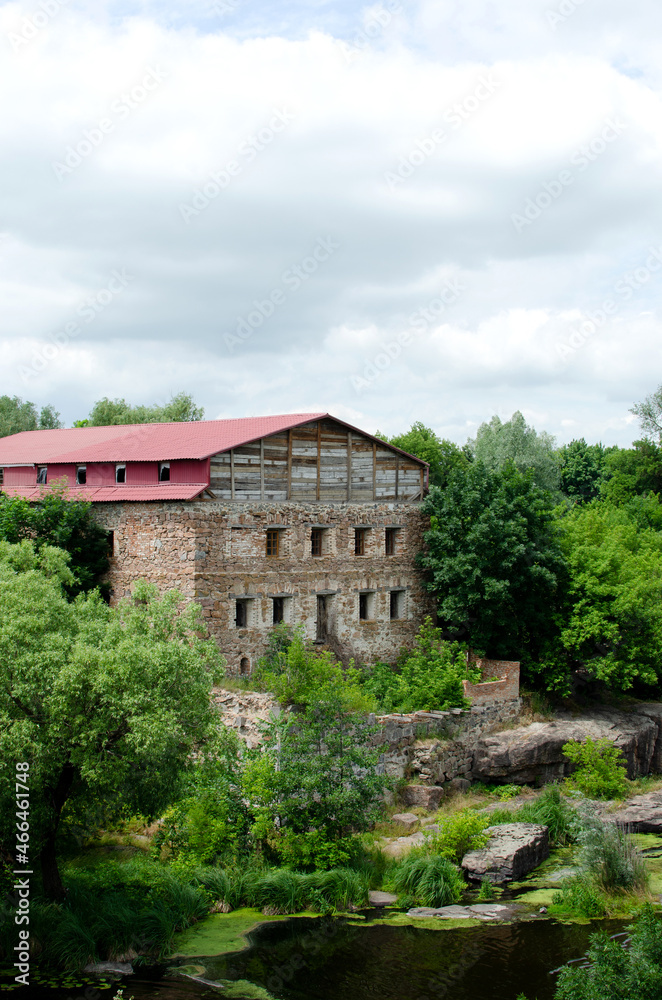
98	968
408	820
396	848
513	850
642	814
426	796
488	909
445	912
377	898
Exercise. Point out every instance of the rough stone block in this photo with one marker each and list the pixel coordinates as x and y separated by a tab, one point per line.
513	850
426	796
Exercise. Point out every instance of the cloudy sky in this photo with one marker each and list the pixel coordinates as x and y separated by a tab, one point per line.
428	210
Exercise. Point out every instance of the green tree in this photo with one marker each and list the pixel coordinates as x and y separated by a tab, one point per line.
67	524
314	783
614	624
95	699
583	469
493	561
635	471
17	415
107	412
498	444
650	413
442	455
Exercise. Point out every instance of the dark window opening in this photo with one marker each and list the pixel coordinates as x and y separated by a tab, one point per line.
42	475
316	542
397	604
2	477
279	610
164	472
241	614
244	665
359	541
110	538
273	542
81	475
364	606
322	618
390	543
120	473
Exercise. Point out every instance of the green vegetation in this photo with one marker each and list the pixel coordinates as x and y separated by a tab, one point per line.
442	455
549	809
430	677
458	833
17	415
513	443
427	880
57	522
600	772
107	412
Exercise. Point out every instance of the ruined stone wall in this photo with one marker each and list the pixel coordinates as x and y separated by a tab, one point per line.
489	692
215	551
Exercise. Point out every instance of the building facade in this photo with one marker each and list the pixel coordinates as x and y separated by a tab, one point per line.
300	518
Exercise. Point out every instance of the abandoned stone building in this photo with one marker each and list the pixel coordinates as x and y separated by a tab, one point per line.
295	518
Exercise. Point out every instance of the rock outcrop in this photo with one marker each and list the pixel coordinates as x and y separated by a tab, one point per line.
534	753
426	796
512	851
642	814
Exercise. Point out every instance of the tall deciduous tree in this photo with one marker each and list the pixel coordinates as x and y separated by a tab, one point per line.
497	444
96	700
17	415
583	469
649	412
442	455
493	561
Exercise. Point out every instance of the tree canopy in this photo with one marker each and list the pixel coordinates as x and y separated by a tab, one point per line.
497	444
107	412
649	412
17	415
493	561
95	699
442	455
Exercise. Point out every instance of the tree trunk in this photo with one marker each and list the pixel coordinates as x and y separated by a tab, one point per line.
50	873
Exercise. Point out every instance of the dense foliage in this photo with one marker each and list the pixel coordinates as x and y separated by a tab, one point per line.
600	772
56	521
493	561
98	700
498	445
442	455
427	678
17	415
107	412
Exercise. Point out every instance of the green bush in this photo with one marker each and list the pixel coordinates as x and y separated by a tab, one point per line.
609	855
600	772
613	972
458	833
429	678
580	895
551	810
428	879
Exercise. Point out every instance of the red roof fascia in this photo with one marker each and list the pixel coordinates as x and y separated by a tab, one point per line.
105	494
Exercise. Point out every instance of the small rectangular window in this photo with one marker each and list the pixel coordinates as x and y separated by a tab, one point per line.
359	541
110	538
2	477
397	600
241	614
81	475
273	542
279	610
164	472
42	475
390	541
120	473
366	606
316	541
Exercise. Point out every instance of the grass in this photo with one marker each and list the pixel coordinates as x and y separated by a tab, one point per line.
427	879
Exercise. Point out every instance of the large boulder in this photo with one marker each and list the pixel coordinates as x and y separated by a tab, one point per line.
534	753
513	850
426	796
642	814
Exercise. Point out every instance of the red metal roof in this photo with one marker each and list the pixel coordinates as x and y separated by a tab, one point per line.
142	442
101	494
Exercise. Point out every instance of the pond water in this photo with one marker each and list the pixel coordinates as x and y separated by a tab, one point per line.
369	959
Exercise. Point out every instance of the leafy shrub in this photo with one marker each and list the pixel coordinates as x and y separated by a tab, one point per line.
458	833
432	880
486	892
600	771
616	973
580	895
609	855
429	678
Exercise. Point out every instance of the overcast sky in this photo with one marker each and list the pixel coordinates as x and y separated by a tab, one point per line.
434	210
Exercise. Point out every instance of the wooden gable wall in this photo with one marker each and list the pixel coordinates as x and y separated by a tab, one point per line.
321	461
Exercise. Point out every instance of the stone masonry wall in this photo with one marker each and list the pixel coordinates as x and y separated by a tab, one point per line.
215	551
